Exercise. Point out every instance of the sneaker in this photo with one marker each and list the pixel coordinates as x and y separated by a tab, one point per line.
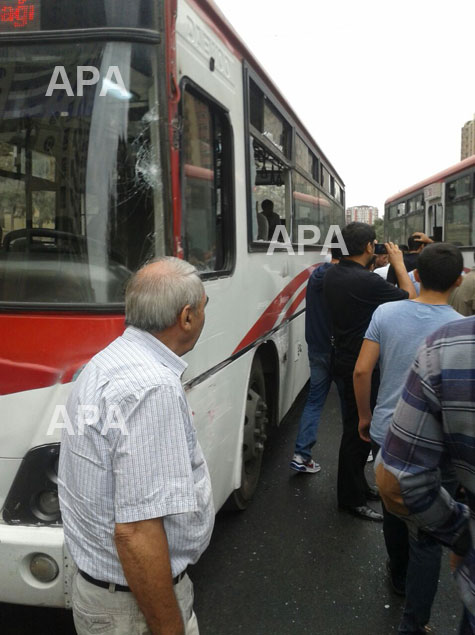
299	464
363	511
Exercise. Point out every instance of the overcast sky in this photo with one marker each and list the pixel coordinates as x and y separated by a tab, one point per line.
384	87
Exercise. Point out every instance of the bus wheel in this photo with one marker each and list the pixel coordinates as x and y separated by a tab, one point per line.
255	425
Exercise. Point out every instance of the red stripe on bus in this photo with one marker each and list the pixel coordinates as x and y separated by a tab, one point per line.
293	307
44	349
173	91
270	316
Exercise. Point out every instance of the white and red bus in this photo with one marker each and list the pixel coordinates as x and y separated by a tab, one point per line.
130	130
442	206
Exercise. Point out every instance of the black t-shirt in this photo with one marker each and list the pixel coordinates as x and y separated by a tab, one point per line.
410	260
352	294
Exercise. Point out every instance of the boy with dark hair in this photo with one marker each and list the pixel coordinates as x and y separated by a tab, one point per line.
393	337
357	236
352	293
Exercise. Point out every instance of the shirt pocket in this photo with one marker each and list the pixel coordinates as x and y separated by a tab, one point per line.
88	622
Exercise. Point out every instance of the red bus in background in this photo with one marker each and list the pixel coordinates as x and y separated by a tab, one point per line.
442	206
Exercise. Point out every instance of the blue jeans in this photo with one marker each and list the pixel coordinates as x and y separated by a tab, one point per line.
321	377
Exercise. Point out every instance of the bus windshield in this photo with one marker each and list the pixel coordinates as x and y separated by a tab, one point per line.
80	174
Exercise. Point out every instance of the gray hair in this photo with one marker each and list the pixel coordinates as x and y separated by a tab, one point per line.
156	294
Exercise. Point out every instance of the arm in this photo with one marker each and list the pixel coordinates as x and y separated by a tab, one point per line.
397	261
143	552
365	364
422	238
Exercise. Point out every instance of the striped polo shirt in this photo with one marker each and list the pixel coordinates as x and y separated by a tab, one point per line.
434	424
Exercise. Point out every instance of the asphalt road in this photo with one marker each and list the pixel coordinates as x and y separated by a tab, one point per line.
290	564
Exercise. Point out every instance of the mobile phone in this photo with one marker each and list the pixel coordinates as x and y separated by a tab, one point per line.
380	248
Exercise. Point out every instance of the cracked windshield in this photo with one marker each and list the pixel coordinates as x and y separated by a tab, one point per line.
80	177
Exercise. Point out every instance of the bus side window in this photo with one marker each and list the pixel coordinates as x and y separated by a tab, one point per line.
207	179
269	178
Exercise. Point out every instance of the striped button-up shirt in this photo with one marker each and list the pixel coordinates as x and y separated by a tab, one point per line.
129	452
434	424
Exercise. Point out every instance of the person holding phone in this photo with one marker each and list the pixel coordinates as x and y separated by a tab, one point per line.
416	244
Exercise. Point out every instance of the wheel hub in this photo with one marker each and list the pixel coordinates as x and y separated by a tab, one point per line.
254	426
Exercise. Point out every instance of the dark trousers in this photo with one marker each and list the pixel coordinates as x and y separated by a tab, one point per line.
396	536
467	627
352	485
417	557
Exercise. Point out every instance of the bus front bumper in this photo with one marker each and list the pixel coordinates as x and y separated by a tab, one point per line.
19	544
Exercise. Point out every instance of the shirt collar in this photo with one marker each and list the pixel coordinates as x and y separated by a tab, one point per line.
350	263
164	355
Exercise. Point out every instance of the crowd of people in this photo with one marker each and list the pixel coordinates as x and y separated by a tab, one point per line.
363	333
137	505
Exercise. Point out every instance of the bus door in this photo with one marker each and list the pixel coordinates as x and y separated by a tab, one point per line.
434	221
434	211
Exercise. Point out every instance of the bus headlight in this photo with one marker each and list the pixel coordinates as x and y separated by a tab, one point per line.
33	496
43	568
47	505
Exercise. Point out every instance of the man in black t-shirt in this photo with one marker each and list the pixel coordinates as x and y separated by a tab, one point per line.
352	294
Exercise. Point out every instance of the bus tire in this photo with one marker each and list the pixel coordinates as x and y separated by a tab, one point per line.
254	436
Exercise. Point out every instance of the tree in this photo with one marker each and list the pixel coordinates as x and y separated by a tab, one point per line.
379	229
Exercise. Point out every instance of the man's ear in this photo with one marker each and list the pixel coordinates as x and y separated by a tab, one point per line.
185	318
459	281
416	275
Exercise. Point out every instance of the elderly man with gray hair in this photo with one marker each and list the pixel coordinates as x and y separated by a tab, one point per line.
136	496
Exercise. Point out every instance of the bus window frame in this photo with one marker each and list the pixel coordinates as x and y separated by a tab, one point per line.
461	199
389	220
250	132
229	229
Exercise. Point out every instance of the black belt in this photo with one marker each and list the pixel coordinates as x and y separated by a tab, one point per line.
119	587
